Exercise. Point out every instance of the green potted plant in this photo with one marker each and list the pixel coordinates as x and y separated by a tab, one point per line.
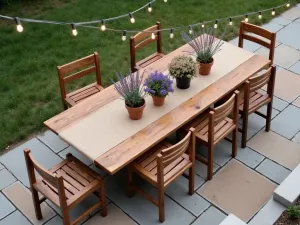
205	45
130	89
158	86
183	69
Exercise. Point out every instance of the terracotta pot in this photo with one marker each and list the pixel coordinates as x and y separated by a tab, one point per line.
183	83
205	68
136	113
158	101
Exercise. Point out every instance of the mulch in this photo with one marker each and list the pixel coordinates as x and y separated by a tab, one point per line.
284	219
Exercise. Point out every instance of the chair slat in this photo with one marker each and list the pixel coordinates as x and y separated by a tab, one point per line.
80	74
77	64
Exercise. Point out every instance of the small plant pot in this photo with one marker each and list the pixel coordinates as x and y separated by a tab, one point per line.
183	83
158	101
205	68
135	113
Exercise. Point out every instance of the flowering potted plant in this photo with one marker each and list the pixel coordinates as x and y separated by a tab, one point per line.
158	86
183	68
130	88
205	45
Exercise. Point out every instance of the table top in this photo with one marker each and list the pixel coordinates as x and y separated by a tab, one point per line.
237	67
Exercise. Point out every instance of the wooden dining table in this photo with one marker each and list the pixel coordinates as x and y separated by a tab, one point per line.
99	126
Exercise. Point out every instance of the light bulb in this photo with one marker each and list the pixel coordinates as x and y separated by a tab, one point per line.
149	8
165	0
246	19
216	24
288	5
259	15
124	36
74	30
153	36
132	20
230	21
190	29
103	27
19	25
273	12
172	33
202	25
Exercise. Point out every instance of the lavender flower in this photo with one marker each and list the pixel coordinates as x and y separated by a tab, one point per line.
158	84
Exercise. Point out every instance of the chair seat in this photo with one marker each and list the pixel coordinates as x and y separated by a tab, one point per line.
221	129
256	101
81	94
150	59
146	165
78	181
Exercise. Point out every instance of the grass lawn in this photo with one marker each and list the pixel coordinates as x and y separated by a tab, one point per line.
29	89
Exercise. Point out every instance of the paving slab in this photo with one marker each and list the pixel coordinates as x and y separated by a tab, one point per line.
178	191
201	169
255	123
289	35
5	206
212	216
263	110
281	21
14	160
297	102
6	179
223	192
232	220
1	166
273	171
291	14
55	221
140	209
295	68
115	216
296	139
77	154
279	104
272	145
297	20
53	141
287	123
272	26
249	157
20	196
16	218
269	214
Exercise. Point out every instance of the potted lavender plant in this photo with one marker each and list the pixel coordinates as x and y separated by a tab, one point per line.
183	69
205	45
130	89
158	86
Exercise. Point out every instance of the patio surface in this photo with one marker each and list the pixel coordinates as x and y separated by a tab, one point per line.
242	186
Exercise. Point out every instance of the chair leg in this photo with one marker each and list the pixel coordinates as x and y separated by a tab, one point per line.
161	204
269	117
245	129
36	203
130	192
210	162
103	200
192	179
234	142
66	217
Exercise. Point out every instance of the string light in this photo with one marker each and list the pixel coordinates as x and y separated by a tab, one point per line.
153	36
149	7
259	15
246	19
202	25
172	33
103	27
190	29
216	24
74	30
165	0
288	4
132	20
19	25
230	21
273	12
124	35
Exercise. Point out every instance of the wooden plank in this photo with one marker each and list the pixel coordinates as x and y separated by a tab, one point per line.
70	180
82	173
76	176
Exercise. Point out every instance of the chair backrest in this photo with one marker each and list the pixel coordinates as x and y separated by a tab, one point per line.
89	64
143	39
261	36
258	81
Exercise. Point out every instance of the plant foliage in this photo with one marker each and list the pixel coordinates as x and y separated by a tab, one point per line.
158	84
293	212
130	89
204	43
182	67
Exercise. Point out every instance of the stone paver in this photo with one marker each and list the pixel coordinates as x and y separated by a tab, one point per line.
296	139
249	157
21	198
263	110
140	209
287	123
55	221
255	124
292	13
15	163
77	154
232	220
273	171
285	56
269	214
179	192
6	179
212	216
276	148
222	190
1	166
281	21
272	26
297	102
289	35
279	104
16	218
201	169
295	68
5	206
115	216
53	141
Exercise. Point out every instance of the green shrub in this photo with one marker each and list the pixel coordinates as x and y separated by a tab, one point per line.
294	212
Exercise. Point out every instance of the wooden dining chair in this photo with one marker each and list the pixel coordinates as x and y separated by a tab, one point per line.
261	36
162	165
252	99
214	126
141	40
87	65
66	185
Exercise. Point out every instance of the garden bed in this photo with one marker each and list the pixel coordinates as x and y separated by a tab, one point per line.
285	219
